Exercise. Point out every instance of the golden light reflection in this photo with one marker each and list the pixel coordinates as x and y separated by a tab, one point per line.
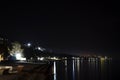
102	59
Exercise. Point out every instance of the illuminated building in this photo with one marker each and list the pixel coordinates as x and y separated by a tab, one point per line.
1	57
3	48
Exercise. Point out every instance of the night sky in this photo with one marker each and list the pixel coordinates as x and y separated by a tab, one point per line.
68	26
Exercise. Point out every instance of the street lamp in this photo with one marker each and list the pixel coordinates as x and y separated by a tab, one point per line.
18	56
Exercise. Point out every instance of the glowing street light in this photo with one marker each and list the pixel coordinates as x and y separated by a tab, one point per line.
18	56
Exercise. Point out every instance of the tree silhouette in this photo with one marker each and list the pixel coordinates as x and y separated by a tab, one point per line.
16	49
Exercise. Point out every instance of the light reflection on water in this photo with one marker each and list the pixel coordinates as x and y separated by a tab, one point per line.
73	69
66	78
55	71
77	69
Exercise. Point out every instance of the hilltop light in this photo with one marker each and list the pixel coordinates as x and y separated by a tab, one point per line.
41	49
29	44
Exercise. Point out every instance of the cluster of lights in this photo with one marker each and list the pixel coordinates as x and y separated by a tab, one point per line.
41	58
54	58
38	48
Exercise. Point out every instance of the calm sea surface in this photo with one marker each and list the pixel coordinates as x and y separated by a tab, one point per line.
82	69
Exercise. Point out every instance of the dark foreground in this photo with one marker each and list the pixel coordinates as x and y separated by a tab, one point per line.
29	71
69	69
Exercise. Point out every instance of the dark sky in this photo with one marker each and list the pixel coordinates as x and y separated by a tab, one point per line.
66	26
